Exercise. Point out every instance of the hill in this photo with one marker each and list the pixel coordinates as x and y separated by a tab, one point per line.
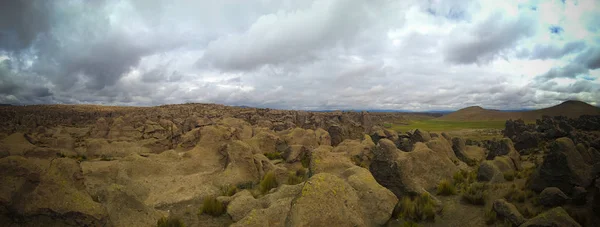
476	113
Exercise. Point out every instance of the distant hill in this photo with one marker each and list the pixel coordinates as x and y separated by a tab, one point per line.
476	113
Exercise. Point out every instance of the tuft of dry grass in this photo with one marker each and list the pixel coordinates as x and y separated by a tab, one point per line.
446	188
212	207
169	222
268	182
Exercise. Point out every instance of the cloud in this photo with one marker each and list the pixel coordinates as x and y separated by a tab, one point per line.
22	21
487	39
553	51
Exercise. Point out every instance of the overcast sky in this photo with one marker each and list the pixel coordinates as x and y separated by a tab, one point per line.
327	54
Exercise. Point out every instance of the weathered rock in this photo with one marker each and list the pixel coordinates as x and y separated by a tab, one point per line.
409	172
505	147
266	142
326	200
323	160
323	137
508	211
295	153
239	163
552	196
337	134
360	152
377	202
420	136
100	129
489	172
468	154
190	138
578	197
563	167
240	129
274	208
241	204
442	147
305	137
555	217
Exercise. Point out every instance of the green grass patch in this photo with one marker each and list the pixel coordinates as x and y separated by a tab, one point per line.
297	177
476	194
509	175
417	209
273	155
445	126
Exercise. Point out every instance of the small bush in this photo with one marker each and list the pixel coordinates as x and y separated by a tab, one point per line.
212	207
527	212
460	177
305	160
490	217
410	224
418	209
294	179
268	182
79	158
445	188
228	190
60	155
106	158
169	222
472	162
509	176
515	195
273	155
245	185
475	194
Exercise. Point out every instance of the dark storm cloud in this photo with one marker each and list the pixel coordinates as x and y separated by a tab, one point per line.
573	88
487	40
590	58
581	65
21	21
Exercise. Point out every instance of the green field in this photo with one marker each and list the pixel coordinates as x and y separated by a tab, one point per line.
448	126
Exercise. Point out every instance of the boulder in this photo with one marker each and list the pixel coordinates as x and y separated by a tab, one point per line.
505	147
420	136
100	129
552	196
326	200
337	133
323	160
508	211
360	152
442	147
323	137
555	217
48	193
295	153
468	154
241	204
266	142
239	163
409	173
190	138
240	129
273	208
489	172
299	136
563	167
377	202
579	195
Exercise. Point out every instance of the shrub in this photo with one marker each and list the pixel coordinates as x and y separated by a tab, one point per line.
515	195
460	177
60	155
268	182
169	222
106	158
273	155
305	160
410	224
475	194
490	217
509	176
294	179
245	185
79	158
228	190
445	188
212	207
421	208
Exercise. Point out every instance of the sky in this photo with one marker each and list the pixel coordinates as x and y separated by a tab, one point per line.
309	55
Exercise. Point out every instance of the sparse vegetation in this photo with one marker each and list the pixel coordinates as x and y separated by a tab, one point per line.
446	188
305	160
212	207
268	182
245	185
509	175
490	216
169	222
60	155
417	209
273	155
79	158
106	158
476	193
228	190
296	177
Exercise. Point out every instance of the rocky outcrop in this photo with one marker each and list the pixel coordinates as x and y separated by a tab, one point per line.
554	217
508	211
563	167
409	173
552	196
504	147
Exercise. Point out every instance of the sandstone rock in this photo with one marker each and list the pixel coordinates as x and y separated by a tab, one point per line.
266	142
409	173
241	204
326	200
552	196
468	154
190	138
508	211
239	163
489	172
100	129
295	153
337	134
323	137
241	129
442	147
16	144
274	208
563	167
420	136
323	160
298	136
376	201
505	147
554	217
360	152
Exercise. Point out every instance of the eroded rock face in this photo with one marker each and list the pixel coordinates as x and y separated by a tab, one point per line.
409	173
508	211
505	147
552	197
563	167
554	217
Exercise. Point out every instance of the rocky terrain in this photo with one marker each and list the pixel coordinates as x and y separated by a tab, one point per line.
214	165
